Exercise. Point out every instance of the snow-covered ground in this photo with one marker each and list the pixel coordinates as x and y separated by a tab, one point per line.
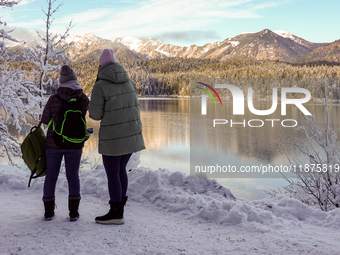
167	213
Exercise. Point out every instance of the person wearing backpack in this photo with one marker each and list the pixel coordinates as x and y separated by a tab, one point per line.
114	102
65	114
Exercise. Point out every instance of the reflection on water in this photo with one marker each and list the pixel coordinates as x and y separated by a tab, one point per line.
238	145
250	146
166	130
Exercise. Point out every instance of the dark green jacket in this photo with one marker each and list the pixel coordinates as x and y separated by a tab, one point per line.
114	101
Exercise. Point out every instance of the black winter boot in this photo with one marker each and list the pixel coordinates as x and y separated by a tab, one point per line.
114	216
49	207
124	199
73	205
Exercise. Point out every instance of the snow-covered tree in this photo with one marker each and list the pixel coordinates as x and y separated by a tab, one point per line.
317	181
12	88
50	49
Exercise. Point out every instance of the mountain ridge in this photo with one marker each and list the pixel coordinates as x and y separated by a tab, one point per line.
276	45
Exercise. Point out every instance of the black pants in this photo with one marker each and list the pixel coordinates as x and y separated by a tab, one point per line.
53	162
116	175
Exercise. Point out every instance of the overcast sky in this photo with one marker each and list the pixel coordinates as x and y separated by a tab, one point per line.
181	22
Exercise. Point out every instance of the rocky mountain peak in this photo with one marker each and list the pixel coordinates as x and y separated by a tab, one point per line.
265	44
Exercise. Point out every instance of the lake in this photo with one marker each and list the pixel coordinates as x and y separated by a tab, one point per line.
166	130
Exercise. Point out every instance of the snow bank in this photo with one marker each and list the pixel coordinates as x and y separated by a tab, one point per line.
189	196
290	208
175	191
17	179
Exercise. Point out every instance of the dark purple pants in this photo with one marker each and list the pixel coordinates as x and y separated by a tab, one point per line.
53	162
116	175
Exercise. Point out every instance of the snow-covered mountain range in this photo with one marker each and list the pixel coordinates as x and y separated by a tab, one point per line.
263	45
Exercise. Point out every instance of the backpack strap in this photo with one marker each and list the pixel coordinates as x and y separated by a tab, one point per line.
63	103
33	177
35	127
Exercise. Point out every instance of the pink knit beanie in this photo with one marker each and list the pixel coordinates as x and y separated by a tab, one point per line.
107	56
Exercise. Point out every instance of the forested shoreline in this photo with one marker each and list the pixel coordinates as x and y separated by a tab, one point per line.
170	77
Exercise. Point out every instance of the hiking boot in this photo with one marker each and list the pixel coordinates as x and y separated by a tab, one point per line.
114	216
73	205
49	208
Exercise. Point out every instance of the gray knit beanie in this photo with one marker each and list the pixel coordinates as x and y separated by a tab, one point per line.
67	74
107	56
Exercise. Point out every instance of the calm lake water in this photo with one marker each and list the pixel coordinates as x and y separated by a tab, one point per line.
166	130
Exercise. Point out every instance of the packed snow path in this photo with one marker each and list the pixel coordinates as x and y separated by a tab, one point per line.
167	213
